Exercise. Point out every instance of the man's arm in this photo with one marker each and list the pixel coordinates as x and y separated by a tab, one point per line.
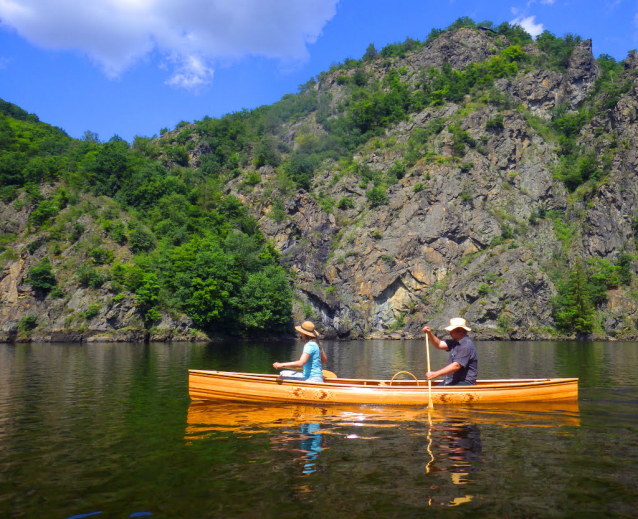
450	368
438	343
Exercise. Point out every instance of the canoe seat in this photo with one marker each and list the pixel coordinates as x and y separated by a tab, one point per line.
407	373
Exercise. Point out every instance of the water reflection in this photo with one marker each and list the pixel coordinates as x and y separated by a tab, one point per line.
457	448
445	445
310	443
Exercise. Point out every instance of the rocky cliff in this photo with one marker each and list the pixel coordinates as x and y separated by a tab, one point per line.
474	216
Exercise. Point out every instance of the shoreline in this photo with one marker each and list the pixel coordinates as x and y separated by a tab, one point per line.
168	336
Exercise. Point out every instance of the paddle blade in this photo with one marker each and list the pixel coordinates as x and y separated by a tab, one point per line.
329	374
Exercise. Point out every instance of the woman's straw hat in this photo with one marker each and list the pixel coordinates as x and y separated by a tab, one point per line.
457	322
307	328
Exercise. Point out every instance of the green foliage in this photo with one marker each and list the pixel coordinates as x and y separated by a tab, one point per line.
101	256
459	138
558	50
300	169
345	203
253	178
399	50
27	323
177	154
41	275
92	311
76	232
267	154
106	169
266	300
371	53
573	308
506	231
90	277
377	196
574	170
141	240
46	209
396	172
57	293
118	232
388	259
28	148
466	166
495	123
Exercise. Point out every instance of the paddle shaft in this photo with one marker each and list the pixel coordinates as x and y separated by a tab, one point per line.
427	349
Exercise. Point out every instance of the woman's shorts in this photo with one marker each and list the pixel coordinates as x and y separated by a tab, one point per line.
288	374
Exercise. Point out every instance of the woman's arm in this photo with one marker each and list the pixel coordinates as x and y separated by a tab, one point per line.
324	357
294	364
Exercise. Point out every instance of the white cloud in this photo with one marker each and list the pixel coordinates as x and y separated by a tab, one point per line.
534	29
192	34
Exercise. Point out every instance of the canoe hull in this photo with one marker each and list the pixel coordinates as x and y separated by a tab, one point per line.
246	387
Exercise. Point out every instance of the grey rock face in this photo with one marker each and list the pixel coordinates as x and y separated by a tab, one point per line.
66	319
430	254
471	232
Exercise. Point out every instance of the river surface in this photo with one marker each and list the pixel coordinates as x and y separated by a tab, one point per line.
109	431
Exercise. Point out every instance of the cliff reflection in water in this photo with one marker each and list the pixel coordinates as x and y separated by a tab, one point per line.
442	448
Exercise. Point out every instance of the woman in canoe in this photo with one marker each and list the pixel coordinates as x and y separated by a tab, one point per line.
311	359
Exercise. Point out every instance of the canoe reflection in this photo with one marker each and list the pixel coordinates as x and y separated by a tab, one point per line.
443	444
251	418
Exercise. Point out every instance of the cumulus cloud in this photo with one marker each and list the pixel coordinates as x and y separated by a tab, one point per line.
192	35
534	29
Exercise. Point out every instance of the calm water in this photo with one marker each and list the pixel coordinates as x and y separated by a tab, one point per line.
110	428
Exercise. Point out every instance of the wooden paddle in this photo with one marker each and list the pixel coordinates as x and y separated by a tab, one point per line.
427	349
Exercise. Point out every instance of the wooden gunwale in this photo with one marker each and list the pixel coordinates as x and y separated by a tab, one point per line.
250	387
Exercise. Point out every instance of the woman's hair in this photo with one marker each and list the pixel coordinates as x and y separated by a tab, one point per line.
308	338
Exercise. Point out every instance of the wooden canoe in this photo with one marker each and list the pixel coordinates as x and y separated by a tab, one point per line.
251	387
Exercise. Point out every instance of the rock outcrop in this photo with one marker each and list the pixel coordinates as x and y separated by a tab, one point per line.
469	229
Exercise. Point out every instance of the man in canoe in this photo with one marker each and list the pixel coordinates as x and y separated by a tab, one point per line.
462	367
311	359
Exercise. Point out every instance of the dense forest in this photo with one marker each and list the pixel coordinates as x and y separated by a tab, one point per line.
168	232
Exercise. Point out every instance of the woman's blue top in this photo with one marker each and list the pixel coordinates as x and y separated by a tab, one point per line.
312	368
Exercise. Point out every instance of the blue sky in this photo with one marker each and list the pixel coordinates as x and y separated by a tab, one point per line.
132	67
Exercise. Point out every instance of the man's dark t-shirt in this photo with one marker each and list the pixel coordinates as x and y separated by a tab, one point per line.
463	352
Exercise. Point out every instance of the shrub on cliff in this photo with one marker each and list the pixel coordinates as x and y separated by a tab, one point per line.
41	276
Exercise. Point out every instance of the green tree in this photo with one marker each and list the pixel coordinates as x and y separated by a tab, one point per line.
371	53
266	300
41	275
377	196
573	308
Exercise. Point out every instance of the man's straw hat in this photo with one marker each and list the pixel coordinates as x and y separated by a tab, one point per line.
457	322
307	328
